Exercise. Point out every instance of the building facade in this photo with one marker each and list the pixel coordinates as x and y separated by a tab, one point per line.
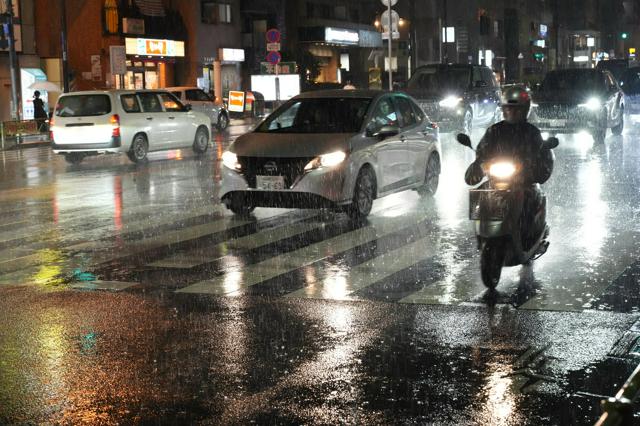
28	60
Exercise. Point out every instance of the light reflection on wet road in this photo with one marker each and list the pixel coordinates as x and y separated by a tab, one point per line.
300	334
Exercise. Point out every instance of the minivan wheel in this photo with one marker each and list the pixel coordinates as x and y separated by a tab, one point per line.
223	121
201	141
139	148
363	195
74	157
431	178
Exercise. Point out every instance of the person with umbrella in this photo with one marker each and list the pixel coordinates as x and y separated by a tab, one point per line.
38	111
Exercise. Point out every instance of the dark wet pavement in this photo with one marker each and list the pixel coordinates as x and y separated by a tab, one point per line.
128	294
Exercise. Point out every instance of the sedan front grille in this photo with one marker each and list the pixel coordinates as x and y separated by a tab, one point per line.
556	111
290	168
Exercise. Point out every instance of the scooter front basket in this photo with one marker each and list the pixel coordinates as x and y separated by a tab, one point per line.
488	204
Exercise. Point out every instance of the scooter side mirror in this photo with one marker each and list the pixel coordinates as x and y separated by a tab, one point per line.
551	143
464	140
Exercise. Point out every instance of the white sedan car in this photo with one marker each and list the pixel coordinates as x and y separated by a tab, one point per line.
134	122
339	149
203	102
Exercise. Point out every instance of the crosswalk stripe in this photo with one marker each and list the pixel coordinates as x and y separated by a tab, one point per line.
337	287
193	258
138	225
116	252
235	280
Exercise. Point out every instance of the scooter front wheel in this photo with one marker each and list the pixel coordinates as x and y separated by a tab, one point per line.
491	261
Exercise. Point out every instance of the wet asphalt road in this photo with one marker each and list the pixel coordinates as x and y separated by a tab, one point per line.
128	294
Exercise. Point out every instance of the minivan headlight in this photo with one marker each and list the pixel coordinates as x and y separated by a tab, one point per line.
450	102
326	160
230	160
592	104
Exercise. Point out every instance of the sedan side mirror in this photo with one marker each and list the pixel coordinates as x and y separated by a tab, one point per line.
551	143
386	131
188	107
464	140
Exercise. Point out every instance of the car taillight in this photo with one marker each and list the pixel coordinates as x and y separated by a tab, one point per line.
115	122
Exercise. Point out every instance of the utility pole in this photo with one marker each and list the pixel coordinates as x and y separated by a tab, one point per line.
389	41
63	36
445	47
13	63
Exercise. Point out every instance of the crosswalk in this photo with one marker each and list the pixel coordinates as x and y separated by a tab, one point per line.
161	229
401	254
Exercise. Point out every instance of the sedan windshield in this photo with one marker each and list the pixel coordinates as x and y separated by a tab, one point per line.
577	80
326	115
434	79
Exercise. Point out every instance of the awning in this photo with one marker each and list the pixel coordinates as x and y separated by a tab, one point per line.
151	7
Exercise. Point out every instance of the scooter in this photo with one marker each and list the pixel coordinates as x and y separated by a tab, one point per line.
496	206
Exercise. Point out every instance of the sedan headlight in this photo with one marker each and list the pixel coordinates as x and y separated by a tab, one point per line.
230	160
326	160
502	170
450	102
592	104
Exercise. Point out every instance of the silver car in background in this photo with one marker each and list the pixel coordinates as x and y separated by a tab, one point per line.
203	102
339	149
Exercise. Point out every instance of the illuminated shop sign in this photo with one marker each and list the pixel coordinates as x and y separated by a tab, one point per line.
231	55
338	35
154	47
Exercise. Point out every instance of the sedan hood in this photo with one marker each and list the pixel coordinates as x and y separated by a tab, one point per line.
563	96
291	145
433	95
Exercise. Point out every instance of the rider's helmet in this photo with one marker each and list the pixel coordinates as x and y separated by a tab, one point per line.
516	103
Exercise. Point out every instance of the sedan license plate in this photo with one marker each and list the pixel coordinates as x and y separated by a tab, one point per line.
270	183
557	123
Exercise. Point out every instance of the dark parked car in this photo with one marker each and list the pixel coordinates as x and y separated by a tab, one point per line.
457	96
574	100
616	67
630	83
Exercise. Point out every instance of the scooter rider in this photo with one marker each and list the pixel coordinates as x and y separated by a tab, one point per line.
514	137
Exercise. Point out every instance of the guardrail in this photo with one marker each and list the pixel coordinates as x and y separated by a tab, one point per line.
15	131
618	410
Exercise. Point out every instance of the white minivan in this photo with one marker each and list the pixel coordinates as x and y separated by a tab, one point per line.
134	122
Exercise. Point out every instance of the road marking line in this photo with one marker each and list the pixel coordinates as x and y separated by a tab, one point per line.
370	272
243	277
103	285
262	238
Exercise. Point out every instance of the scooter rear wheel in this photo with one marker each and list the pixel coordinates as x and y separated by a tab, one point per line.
491	261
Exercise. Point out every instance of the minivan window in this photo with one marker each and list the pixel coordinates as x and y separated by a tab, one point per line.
197	95
434	79
83	105
150	102
171	103
130	103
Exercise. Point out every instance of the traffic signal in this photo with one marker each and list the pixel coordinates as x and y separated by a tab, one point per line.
624	36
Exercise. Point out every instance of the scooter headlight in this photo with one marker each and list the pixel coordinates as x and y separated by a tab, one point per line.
502	170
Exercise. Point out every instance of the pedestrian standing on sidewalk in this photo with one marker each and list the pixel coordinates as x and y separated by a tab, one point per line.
38	111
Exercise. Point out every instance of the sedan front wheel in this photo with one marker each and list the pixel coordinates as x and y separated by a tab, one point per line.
363	195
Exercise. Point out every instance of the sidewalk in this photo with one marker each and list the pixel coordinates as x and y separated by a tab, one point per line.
28	141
